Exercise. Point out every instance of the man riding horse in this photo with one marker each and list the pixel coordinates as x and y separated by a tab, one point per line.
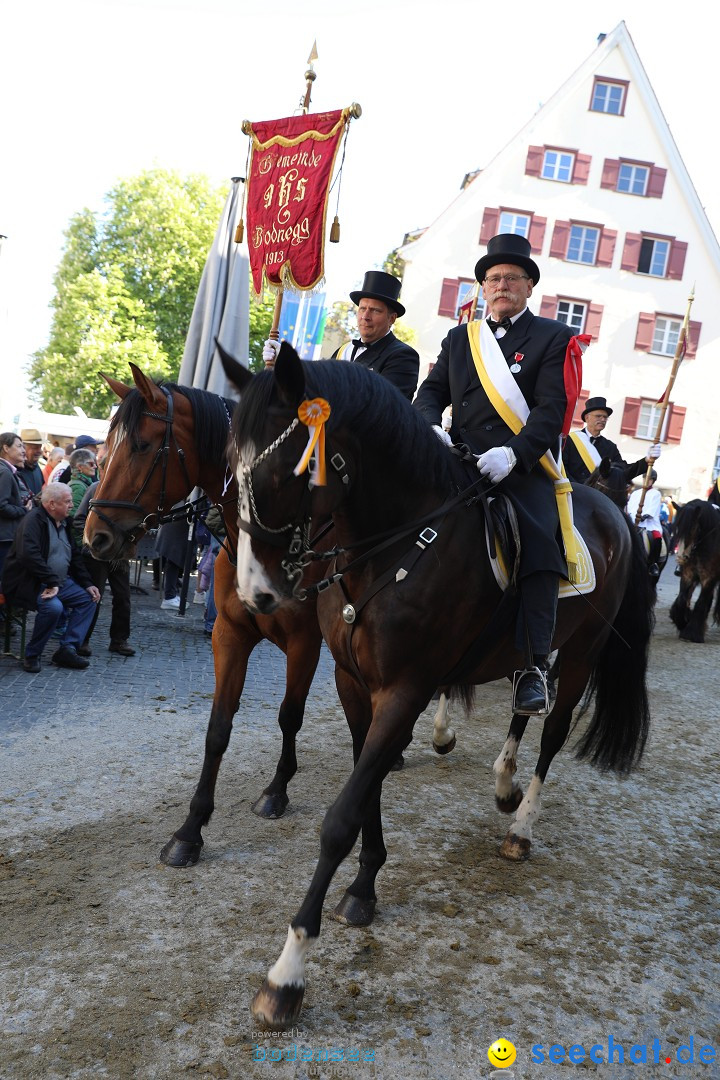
518	373
586	448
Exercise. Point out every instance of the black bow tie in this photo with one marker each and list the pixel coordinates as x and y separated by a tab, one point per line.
358	344
506	323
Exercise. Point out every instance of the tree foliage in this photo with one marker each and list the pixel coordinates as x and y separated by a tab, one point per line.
125	288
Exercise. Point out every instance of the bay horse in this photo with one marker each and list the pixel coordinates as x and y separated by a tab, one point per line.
164	441
412	604
697	535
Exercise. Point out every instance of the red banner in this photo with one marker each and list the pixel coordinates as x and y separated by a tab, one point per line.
287	192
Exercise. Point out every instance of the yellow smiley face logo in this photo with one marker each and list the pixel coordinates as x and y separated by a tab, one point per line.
501	1054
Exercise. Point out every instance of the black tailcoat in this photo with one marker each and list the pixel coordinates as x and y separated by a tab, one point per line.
578	471
394	360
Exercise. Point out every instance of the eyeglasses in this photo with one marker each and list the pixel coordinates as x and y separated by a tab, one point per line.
512	279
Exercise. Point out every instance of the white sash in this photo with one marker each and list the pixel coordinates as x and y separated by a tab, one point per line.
590	449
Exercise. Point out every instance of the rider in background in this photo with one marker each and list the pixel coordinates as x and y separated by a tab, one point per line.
649	521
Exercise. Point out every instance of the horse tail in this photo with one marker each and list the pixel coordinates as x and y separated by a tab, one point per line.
716	612
616	735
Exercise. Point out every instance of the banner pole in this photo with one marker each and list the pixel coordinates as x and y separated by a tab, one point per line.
310	77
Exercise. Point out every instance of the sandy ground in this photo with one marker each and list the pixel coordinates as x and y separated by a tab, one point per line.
115	966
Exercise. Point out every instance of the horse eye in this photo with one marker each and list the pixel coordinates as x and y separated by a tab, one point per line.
141	447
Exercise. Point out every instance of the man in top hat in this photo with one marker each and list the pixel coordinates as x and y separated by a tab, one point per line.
522	365
584	449
377	348
31	473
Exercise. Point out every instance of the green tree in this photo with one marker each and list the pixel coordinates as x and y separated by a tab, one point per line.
125	288
261	317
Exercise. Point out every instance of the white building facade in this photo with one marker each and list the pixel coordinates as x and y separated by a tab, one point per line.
596	183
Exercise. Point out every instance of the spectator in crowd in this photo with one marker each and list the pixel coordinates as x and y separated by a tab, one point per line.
45	572
171	545
54	457
116	574
31	472
63	467
83	442
15	499
83	473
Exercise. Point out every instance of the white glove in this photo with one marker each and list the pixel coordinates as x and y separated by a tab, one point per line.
654	451
442	434
270	351
497	463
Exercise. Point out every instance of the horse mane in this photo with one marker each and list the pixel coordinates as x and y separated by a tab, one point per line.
697	513
211	416
365	401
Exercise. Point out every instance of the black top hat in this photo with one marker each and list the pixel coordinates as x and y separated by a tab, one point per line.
511	249
380	286
593	403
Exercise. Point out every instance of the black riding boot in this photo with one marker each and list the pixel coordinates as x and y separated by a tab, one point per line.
530	689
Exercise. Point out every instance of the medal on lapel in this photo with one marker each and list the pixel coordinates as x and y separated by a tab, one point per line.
518	358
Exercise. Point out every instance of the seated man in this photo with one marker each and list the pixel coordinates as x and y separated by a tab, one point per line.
44	572
585	449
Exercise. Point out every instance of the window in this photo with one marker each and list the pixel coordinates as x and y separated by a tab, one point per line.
454	293
511	219
659	333
641	178
511	222
572	313
558	166
560	163
641	417
632	179
656	256
716	466
608	97
582	316
583	244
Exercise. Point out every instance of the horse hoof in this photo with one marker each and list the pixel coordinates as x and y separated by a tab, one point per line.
354	912
270	806
510	805
447	748
277	1007
515	848
181	852
397	766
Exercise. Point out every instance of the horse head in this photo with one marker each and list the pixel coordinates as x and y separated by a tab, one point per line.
612	480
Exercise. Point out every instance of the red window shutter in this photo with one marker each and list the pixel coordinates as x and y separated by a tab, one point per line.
606	247
693	339
582	168
631	416
675	424
559	241
676	262
534	160
656	183
448	297
537	234
631	252
488	228
548	307
610	171
577	419
645	331
593	320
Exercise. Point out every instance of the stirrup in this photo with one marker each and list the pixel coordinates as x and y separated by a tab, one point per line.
517	677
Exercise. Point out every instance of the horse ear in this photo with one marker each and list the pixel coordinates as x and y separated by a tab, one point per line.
118	388
237	373
289	375
150	391
605	467
678	506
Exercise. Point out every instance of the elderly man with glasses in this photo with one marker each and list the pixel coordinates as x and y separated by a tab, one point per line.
511	369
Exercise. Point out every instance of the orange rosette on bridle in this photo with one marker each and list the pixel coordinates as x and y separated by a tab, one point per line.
314	415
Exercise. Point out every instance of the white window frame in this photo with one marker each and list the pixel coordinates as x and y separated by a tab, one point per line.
666	333
716	466
463	292
573	313
635	180
519	224
648	421
581	234
659	260
601	102
556	164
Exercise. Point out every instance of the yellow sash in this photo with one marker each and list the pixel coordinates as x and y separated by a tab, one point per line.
341	350
582	449
563	487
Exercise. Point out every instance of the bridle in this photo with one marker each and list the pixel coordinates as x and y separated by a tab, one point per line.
162	454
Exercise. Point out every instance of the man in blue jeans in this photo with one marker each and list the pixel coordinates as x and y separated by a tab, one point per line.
45	572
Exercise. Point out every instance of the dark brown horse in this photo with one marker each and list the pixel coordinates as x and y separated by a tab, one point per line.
413	605
163	442
697	535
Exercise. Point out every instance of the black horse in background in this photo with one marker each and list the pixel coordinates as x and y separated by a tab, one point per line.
697	535
613	480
